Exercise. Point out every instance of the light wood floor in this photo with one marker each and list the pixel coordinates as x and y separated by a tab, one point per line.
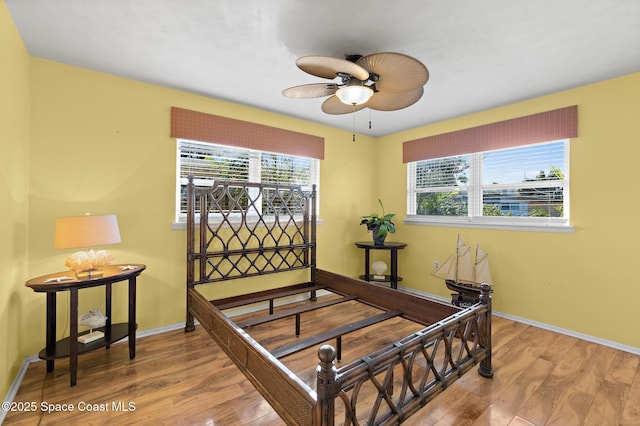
540	378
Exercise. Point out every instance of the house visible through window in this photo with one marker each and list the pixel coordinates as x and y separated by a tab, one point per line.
525	185
208	162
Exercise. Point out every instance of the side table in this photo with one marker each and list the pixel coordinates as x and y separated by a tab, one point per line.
393	248
70	347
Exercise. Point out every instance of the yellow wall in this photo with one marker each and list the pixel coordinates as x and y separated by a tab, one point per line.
585	281
14	200
101	144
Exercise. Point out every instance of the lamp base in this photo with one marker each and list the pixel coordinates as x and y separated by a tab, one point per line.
91	337
91	273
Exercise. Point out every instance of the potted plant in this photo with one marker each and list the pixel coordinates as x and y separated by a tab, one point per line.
379	225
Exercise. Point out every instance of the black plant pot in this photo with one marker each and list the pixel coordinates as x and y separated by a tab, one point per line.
379	241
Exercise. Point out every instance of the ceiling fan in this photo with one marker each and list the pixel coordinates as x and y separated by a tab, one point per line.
385	81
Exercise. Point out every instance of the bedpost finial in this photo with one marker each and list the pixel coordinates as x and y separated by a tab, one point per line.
326	369
485	293
326	354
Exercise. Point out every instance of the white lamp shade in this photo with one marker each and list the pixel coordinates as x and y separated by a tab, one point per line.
354	95
86	231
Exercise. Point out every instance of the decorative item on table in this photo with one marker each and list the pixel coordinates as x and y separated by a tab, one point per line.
379	225
87	231
88	264
92	319
379	268
463	276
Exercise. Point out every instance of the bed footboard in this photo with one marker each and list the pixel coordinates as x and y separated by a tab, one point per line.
388	386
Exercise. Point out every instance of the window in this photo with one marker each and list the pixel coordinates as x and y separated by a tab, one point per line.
208	162
522	186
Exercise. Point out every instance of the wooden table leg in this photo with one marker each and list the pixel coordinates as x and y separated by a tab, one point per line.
107	308
394	268
366	264
73	335
132	317
51	329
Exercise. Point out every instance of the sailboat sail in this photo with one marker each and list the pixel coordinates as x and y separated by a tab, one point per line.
483	272
458	267
447	270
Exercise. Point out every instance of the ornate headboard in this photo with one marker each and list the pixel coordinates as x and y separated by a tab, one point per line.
240	229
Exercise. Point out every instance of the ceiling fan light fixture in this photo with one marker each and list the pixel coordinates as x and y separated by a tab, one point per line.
354	94
384	81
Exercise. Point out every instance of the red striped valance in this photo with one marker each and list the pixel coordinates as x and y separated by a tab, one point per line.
546	126
203	127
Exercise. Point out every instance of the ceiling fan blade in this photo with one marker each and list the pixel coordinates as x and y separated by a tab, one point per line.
328	67
398	72
334	106
308	91
389	101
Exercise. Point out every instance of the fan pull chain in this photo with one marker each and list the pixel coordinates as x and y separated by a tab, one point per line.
369	119
354	122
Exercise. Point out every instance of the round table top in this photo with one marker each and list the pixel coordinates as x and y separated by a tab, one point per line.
67	280
386	246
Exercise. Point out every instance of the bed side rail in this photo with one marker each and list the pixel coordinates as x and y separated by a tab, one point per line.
294	401
413	307
388	386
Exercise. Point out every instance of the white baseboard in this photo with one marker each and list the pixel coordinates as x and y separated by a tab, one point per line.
615	345
626	348
13	390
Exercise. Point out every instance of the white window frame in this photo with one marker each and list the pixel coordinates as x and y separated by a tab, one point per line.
254	176
474	188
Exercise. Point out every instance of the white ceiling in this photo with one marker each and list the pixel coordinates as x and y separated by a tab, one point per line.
480	54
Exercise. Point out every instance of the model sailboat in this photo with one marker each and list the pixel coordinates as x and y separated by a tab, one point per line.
463	276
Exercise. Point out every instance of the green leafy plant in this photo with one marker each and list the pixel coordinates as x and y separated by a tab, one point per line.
380	224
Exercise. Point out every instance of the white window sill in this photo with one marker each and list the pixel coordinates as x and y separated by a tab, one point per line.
502	223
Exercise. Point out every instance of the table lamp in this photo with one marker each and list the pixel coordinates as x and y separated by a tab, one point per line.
87	231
